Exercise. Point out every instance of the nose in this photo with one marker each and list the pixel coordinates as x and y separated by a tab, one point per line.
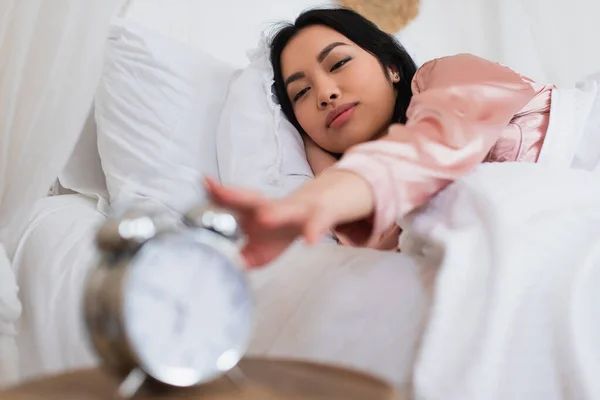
328	92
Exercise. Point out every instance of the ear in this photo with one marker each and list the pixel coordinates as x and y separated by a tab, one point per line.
393	73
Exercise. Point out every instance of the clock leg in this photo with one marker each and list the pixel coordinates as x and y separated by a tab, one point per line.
236	376
129	387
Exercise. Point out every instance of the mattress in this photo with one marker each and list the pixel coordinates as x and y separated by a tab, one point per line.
351	307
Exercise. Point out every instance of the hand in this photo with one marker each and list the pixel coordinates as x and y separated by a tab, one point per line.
335	197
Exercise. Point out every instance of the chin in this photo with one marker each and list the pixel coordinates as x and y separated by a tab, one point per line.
353	136
336	151
338	148
347	146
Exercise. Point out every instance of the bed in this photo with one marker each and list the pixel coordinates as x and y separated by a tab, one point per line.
500	286
316	303
450	334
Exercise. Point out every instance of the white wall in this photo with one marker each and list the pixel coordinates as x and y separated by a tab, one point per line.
567	36
549	41
225	28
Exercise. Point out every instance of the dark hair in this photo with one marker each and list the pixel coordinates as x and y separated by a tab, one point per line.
359	30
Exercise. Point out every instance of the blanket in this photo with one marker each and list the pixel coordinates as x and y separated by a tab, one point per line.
516	305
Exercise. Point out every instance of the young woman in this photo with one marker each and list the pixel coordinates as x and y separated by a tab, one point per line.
381	136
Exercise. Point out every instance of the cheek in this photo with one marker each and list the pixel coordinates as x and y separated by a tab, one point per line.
309	120
304	116
366	80
375	90
373	83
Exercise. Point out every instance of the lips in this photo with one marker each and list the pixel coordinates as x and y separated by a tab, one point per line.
337	112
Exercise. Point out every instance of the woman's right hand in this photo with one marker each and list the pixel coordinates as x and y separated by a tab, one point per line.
272	225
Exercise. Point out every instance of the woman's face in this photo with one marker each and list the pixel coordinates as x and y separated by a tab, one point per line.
340	94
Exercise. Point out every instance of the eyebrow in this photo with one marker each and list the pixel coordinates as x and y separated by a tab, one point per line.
325	52
320	57
294	77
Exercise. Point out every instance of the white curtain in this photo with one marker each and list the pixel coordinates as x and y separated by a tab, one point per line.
50	61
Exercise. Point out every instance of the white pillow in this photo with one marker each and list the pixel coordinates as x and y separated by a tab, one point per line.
257	147
83	173
157	110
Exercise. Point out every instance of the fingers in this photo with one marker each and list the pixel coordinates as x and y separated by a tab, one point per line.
315	228
236	198
252	258
282	213
271	224
259	257
312	224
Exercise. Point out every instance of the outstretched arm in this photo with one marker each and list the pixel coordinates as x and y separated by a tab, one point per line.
460	106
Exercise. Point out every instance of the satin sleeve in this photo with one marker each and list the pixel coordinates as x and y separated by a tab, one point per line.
459	107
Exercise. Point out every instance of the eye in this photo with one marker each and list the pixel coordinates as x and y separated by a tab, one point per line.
340	64
300	94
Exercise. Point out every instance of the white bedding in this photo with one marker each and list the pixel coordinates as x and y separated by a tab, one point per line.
51	261
516	304
354	307
517	307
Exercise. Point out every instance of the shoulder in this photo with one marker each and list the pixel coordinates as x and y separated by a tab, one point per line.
461	69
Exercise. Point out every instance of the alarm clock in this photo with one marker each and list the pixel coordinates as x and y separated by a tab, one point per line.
170	301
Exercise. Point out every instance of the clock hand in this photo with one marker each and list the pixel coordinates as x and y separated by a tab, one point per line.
180	321
159	294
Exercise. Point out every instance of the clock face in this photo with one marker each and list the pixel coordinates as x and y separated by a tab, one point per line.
187	310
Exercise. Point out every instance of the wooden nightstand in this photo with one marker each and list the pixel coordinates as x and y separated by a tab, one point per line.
265	379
